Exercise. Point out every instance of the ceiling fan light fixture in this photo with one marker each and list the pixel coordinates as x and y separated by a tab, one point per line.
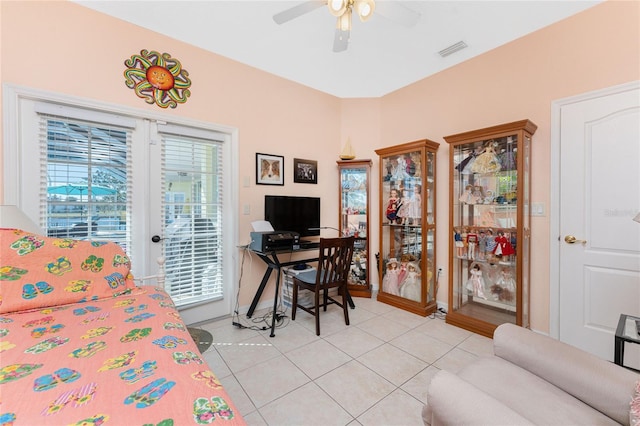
337	7
344	21
365	9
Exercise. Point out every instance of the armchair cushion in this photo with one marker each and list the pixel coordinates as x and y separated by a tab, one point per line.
535	399
449	392
594	381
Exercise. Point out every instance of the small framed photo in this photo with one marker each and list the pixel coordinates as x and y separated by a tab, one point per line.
269	169
305	171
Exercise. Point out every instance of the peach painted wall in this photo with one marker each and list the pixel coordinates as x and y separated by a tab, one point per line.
62	47
597	48
594	49
361	123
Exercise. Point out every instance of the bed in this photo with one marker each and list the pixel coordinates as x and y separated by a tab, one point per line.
81	344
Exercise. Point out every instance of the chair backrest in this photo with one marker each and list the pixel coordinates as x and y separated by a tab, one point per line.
334	262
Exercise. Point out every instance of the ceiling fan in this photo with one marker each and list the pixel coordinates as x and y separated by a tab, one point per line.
344	9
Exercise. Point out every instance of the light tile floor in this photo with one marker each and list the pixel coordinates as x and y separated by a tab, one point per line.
374	372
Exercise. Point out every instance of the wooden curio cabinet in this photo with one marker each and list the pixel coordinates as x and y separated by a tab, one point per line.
354	220
407	226
489	227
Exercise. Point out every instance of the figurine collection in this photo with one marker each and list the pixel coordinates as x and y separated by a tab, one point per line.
493	255
485	245
491	282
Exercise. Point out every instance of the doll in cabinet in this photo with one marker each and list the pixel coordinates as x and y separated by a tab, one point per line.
476	285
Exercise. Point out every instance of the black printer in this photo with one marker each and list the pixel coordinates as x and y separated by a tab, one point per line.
267	241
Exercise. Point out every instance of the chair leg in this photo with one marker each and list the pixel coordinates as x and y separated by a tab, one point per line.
317	311
294	302
345	306
325	299
351	304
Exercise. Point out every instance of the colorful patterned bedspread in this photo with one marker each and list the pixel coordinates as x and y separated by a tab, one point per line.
126	359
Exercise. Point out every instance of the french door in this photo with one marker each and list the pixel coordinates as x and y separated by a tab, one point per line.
188	230
172	182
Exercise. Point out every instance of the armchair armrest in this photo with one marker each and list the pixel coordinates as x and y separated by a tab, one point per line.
599	383
453	401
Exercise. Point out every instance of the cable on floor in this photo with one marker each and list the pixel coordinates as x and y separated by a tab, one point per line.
282	320
439	313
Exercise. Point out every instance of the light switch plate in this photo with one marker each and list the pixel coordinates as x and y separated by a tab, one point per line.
537	209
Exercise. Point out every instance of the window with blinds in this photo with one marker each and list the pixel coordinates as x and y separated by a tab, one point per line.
192	211
86	193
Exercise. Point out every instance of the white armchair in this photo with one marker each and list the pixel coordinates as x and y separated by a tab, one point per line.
531	379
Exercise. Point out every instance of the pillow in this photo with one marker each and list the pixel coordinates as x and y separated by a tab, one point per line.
38	271
634	411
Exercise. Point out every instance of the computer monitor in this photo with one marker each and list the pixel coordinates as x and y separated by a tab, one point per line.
292	213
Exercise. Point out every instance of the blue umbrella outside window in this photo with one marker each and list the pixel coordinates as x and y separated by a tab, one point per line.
77	230
80	189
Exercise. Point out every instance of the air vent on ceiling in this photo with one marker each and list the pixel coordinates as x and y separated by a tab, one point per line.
452	49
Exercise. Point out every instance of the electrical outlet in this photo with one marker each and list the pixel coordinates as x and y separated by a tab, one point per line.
246	209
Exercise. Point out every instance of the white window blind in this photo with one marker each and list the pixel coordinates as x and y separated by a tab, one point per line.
193	170
85	176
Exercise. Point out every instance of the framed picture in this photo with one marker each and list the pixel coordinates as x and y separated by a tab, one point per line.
305	171
269	169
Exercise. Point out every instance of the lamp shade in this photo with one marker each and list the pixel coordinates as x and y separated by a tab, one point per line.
12	217
365	8
337	7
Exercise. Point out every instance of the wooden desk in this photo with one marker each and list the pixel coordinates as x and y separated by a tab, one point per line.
274	264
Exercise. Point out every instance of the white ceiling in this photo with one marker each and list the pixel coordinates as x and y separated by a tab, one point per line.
383	55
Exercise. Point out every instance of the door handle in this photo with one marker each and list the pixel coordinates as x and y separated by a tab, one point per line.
156	239
570	239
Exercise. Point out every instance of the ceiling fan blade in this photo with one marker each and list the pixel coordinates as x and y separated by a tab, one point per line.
341	41
397	12
298	10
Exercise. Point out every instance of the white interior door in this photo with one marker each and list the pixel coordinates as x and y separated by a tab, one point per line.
599	194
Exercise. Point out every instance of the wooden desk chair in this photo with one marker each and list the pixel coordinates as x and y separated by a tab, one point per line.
334	265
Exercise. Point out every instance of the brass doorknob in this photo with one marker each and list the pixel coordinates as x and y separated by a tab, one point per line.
570	239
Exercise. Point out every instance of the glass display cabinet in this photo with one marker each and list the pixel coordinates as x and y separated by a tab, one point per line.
354	220
407	226
490	228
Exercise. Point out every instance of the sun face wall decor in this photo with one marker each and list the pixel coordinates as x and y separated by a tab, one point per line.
157	78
